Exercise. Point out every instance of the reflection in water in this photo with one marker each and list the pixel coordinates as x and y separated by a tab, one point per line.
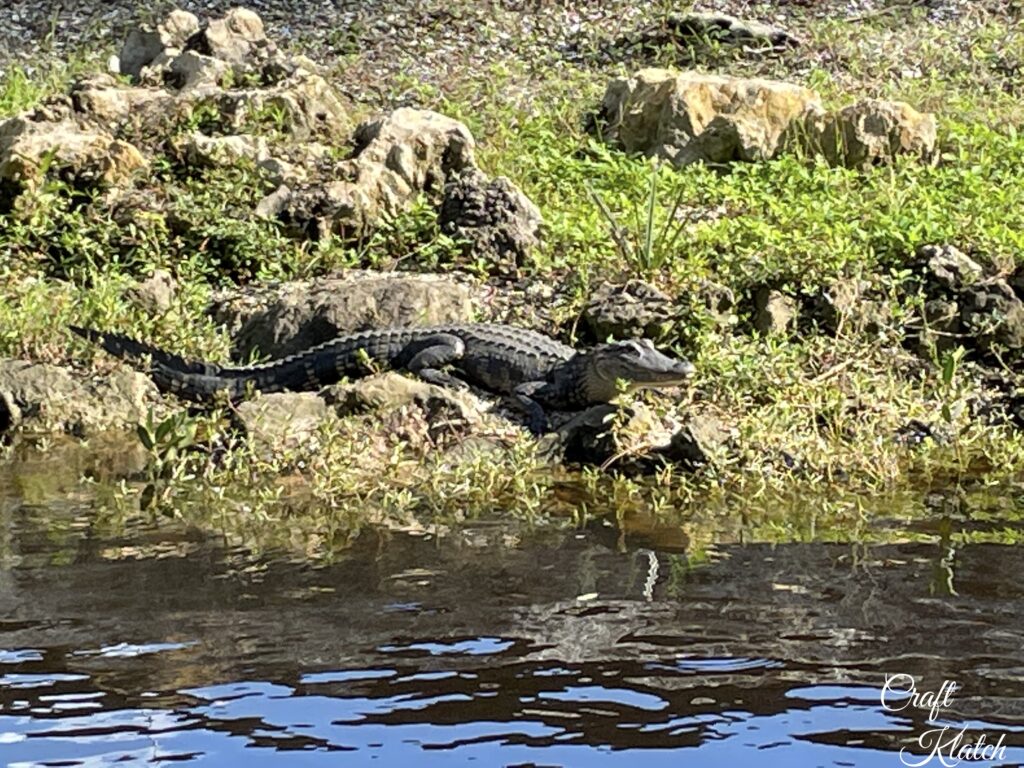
493	646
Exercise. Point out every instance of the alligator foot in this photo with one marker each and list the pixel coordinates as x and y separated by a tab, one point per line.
536	419
442	379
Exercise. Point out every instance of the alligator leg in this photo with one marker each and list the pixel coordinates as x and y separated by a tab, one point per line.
433	353
536	419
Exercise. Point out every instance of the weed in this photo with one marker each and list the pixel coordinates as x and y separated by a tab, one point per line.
166	442
645	251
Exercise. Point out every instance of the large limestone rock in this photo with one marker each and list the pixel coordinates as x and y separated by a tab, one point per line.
236	38
701	440
303	105
692	117
396	409
994	316
850	305
188	71
190	54
422	147
202	150
47	398
90	155
294	316
495	220
283	420
948	269
870	132
102	100
396	158
390	390
144	44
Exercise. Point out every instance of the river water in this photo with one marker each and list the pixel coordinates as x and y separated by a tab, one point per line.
498	645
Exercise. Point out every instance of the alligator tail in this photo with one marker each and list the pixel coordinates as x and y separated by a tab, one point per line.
190	379
201	382
128	348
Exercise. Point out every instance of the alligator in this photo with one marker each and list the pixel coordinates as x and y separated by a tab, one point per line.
537	371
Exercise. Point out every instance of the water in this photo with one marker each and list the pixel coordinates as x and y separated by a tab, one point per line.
494	645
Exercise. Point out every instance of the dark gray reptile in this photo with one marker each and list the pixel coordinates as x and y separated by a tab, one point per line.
539	372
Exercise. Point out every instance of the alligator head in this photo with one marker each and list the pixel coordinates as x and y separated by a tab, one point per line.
635	362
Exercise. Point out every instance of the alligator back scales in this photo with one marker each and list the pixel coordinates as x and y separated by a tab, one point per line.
496	357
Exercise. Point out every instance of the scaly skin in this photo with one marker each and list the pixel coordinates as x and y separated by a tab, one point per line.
538	371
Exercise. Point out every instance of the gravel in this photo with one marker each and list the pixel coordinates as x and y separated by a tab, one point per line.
377	41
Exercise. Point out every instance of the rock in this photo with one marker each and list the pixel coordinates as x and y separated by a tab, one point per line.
283	420
274	204
302	106
719	301
423	148
946	268
178	28
155	295
191	71
41	397
422	416
845	306
531	301
279	173
499	223
139	49
87	155
236	38
606	434
294	316
774	312
302	160
692	117
641	441
589	436
143	44
101	100
870	132
185	55
210	151
1016	281
942	327
994	316
729	29
700	441
633	309
965	307
390	390
280	67
475	448
11	416
396	158
190	55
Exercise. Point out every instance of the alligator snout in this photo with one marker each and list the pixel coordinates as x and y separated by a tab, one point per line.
662	369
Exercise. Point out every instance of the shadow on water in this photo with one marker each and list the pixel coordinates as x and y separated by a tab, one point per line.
497	646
